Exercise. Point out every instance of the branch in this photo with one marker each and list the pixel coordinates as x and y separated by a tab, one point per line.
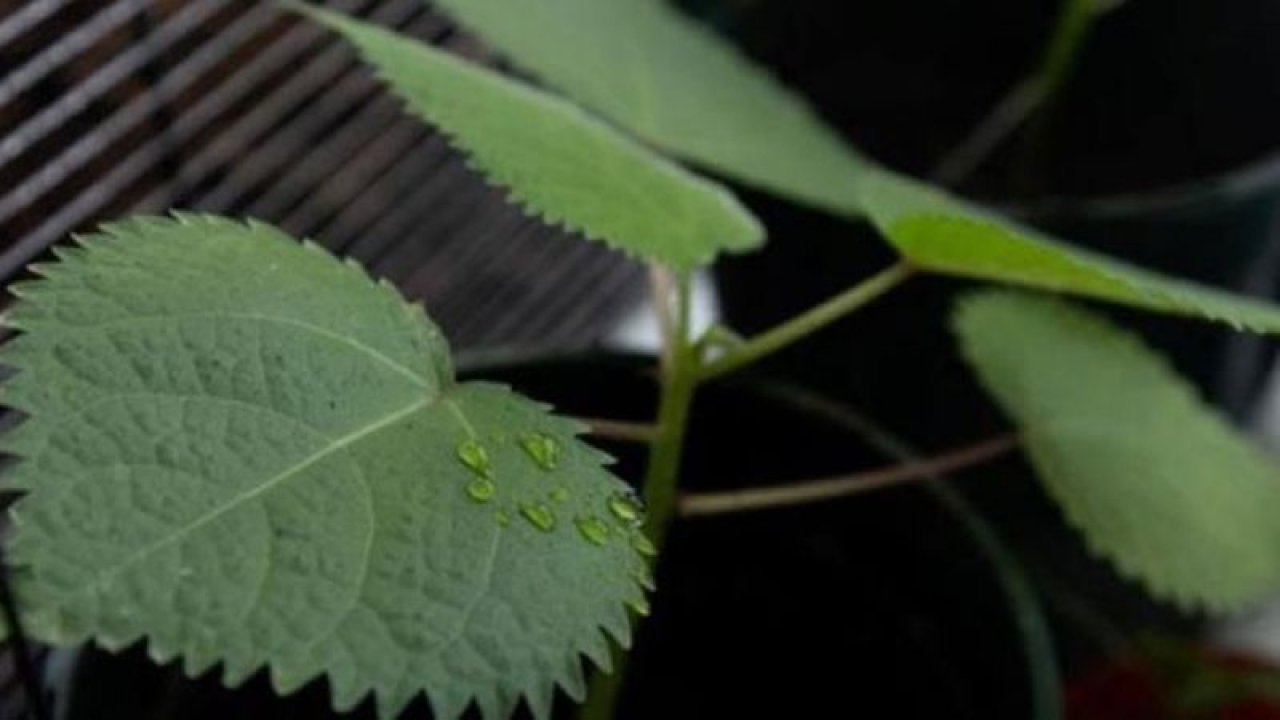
845	485
1071	30
808	322
1020	104
624	430
1004	119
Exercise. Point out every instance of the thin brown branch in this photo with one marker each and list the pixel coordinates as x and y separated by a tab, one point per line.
624	430
845	485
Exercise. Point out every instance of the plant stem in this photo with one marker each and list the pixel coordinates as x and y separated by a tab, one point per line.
808	322
1070	30
1028	100
845	485
682	371
623	430
996	126
718	337
679	381
678	385
1075	18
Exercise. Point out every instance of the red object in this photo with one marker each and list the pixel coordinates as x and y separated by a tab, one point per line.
1124	690
1135	689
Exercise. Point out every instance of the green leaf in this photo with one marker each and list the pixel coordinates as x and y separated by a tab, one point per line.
249	453
647	67
1155	479
557	161
943	234
650	69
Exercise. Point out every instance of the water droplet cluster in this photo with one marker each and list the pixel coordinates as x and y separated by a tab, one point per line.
621	516
543	449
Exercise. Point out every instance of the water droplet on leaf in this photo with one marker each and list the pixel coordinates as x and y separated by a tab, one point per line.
644	545
594	530
626	509
543	449
539	516
474	457
503	518
481	489
560	494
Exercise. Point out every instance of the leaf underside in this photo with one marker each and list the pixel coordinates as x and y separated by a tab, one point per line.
246	452
661	75
1155	480
557	161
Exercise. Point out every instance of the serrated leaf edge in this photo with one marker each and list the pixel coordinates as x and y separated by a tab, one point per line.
105	240
751	240
1123	566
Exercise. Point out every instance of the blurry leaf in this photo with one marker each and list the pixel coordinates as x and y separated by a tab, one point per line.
557	161
1155	479
249	454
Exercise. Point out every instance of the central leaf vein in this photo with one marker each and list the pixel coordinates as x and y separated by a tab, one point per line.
339	444
372	352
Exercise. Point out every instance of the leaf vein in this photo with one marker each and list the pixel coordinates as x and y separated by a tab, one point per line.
254	492
372	352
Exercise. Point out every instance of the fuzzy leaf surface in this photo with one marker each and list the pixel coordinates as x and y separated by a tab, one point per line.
246	452
940	233
660	74
557	161
1155	480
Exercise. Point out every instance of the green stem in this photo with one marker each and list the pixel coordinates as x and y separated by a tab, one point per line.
809	322
1070	30
1003	120
664	458
682	371
679	381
